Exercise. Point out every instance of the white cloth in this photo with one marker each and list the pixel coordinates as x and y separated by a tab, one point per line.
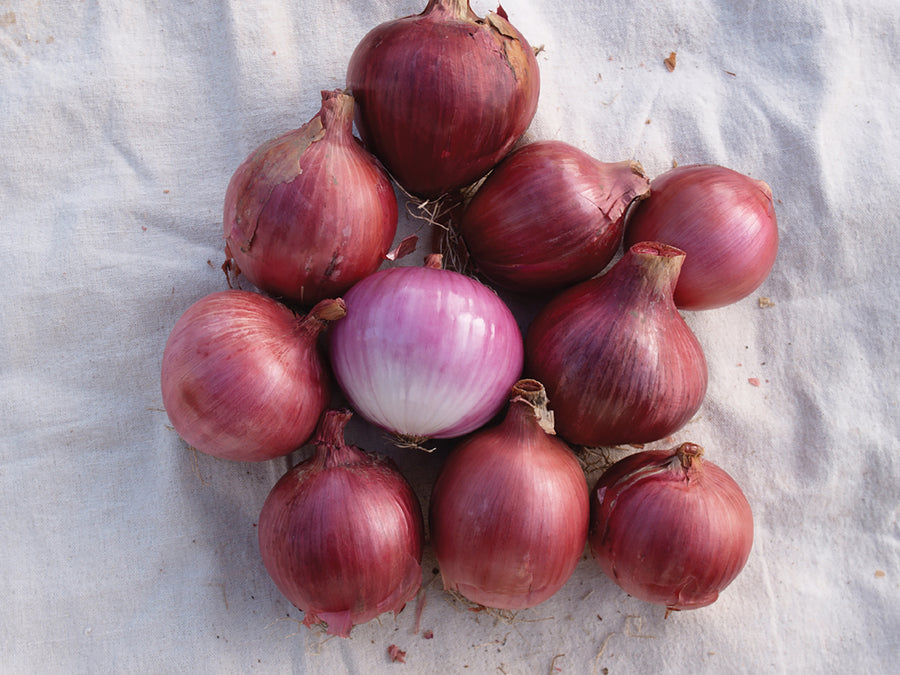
120	126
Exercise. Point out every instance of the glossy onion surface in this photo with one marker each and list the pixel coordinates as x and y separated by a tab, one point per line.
443	95
670	528
242	375
723	220
341	533
425	352
549	215
509	511
619	363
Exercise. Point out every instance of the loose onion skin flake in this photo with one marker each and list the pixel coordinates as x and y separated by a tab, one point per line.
425	352
619	363
725	223
443	95
341	533
549	215
669	528
243	377
509	510
310	213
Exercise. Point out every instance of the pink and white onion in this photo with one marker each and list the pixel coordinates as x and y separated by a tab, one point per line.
425	352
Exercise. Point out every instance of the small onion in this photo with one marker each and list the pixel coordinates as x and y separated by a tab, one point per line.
619	363
243	377
549	215
509	510
670	528
341	533
443	95
723	220
311	212
425	352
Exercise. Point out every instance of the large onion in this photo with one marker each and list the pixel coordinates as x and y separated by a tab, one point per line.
341	533
670	528
509	510
425	352
243	377
723	220
619	363
549	215
443	95
310	213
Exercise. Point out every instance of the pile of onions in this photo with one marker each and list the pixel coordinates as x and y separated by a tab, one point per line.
341	533
549	215
310	213
509	510
425	352
670	528
243	377
619	362
443	95
723	220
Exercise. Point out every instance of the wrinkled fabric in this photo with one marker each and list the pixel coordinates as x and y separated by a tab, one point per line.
121	124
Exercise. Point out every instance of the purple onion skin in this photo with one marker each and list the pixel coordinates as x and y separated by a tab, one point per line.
310	213
243	377
509	513
442	96
341	534
425	352
668	530
723	220
549	215
618	361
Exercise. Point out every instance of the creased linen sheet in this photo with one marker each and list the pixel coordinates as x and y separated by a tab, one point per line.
120	126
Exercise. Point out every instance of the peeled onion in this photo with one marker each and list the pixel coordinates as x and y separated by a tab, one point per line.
549	215
242	375
509	510
725	223
425	352
670	528
310	213
341	533
443	95
619	363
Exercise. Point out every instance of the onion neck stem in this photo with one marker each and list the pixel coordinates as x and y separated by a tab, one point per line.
331	448
458	9
689	454
532	393
322	313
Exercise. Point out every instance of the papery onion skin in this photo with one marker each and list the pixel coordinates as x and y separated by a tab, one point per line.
310	212
669	528
549	215
619	363
443	95
509	510
723	220
425	352
341	534
243	377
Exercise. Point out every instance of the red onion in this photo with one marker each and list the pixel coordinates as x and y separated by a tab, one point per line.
425	352
725	223
443	95
509	510
619	363
549	215
242	376
669	528
341	533
311	212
